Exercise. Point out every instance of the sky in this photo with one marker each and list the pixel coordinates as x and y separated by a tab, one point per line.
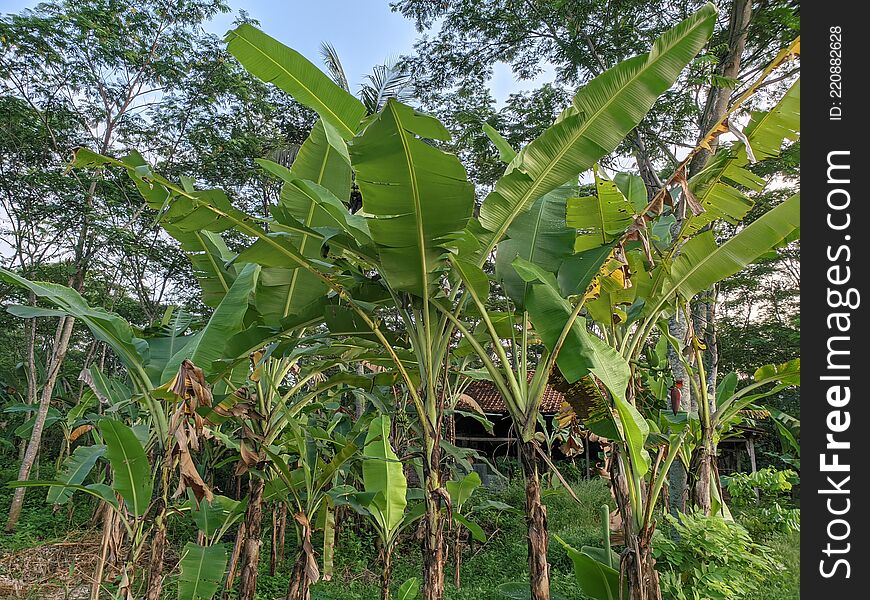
364	32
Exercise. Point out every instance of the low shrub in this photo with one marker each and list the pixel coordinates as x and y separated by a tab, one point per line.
769	512
711	559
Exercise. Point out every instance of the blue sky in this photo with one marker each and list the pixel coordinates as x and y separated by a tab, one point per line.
365	33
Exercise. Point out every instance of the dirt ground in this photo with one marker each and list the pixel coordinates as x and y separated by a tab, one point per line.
56	571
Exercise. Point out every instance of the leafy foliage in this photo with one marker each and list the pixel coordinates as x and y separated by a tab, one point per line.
711	559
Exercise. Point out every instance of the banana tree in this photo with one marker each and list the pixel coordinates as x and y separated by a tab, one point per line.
523	219
726	411
307	460
690	263
384	496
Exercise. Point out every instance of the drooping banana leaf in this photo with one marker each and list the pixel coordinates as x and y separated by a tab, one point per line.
75	469
105	326
505	152
603	112
203	245
209	255
417	196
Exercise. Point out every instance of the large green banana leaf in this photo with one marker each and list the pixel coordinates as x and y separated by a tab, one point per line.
540	236
383	476
105	326
417	196
130	467
75	468
162	348
201	571
603	112
273	62
207	345
210	210
208	255
204	247
702	263
324	162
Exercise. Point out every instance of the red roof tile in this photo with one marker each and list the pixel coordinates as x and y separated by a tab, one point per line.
490	400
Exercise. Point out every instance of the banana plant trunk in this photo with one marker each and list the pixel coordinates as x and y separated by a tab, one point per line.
234	561
252	543
703	469
536	520
387	573
155	564
433	540
300	584
637	564
643	579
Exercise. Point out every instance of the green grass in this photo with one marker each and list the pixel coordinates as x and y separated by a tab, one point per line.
39	522
785	586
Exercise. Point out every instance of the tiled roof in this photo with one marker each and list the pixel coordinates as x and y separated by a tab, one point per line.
490	400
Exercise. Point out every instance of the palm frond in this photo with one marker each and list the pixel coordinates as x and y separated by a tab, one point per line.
333	65
388	80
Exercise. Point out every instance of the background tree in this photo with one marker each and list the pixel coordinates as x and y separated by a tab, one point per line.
106	76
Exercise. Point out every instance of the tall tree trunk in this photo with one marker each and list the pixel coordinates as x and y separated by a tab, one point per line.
387	573
250	557
717	100
433	537
31	371
61	338
536	521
